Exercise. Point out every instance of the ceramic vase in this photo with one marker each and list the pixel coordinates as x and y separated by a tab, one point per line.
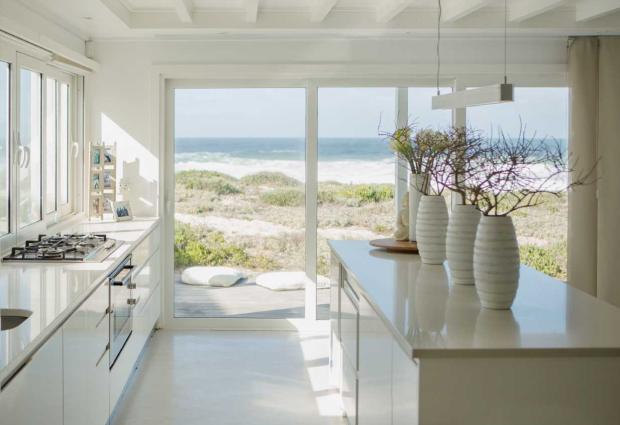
432	225
496	262
416	183
460	240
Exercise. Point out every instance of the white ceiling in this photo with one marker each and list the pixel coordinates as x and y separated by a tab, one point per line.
102	19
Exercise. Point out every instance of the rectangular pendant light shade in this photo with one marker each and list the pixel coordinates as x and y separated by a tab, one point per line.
497	93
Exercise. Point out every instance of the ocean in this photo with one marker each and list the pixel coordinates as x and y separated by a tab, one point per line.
345	160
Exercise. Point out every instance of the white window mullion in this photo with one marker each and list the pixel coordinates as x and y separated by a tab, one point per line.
400	166
312	126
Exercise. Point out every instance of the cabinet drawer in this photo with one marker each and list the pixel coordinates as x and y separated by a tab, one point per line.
349	322
349	391
147	280
145	249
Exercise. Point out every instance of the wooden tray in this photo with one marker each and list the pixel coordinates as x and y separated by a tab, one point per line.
392	245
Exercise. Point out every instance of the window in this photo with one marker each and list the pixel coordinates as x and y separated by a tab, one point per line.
57	146
240	200
36	169
4	147
51	143
355	172
64	124
29	175
543	113
420	111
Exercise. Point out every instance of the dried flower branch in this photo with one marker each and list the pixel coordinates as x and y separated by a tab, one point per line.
503	175
425	151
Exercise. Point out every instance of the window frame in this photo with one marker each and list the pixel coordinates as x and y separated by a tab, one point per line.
62	210
20	57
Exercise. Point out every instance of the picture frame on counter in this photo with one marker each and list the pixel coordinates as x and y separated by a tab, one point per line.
122	211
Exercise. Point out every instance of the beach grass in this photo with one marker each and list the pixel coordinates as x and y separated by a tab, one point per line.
267	209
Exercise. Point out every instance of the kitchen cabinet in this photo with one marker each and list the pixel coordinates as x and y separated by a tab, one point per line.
34	394
375	368
86	361
405	388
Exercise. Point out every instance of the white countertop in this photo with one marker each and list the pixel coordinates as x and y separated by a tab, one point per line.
52	291
430	316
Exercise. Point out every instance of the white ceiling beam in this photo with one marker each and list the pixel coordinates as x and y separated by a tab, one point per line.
519	11
320	9
185	10
454	10
591	9
251	10
119	10
389	9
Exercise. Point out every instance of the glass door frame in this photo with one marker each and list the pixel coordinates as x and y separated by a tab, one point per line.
168	235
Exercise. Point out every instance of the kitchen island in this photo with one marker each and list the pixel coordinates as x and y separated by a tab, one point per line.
409	347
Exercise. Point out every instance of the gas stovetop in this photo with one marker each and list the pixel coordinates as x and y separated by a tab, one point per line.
65	248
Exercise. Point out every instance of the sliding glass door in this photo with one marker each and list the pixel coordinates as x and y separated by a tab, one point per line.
356	172
239	203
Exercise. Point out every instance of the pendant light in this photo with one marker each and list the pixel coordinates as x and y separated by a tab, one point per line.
487	95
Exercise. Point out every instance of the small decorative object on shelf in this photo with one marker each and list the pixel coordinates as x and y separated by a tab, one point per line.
121	210
102	185
401	233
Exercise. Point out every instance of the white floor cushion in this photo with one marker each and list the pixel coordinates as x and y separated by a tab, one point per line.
211	276
282	281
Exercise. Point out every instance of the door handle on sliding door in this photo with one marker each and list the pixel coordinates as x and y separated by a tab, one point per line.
76	149
26	157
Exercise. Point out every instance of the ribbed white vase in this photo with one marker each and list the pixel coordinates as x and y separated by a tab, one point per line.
496	262
460	243
432	225
416	182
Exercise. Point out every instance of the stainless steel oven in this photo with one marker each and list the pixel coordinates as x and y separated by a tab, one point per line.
122	304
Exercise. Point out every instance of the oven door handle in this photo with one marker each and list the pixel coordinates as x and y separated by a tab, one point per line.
125	279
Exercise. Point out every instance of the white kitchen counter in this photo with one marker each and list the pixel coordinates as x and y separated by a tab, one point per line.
52	291
431	317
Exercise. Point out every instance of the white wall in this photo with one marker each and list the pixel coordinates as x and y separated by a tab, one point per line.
119	100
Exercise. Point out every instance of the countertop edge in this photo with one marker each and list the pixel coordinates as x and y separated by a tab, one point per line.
31	349
416	354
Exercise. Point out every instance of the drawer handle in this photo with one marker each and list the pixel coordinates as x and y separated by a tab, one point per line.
107	348
133	301
107	310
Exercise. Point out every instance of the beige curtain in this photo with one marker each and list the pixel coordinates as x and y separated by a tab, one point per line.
594	210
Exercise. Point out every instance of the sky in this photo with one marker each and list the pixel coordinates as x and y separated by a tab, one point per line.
354	112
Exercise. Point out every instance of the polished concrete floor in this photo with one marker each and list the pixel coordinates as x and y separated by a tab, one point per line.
231	377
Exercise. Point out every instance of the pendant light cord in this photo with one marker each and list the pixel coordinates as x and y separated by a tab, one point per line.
438	41
505	41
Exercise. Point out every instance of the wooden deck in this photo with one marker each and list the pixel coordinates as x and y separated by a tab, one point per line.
245	299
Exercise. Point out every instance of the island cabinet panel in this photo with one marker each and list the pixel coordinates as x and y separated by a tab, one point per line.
86	362
405	388
335	358
515	391
34	395
375	368
349	322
